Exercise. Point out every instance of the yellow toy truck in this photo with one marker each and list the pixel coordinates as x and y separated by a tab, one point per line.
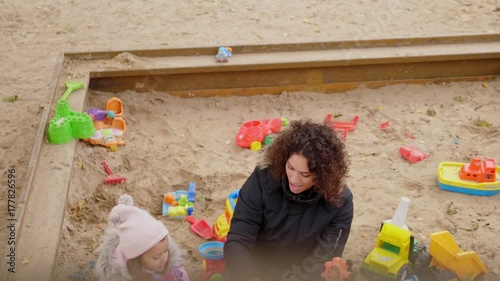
446	261
396	255
390	258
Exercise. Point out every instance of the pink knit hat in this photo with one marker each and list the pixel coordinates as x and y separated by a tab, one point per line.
137	229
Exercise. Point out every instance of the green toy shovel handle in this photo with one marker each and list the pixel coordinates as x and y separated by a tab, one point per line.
71	86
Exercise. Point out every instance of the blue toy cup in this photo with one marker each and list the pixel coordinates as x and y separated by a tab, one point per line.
212	250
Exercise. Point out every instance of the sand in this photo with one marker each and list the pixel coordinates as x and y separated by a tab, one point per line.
172	141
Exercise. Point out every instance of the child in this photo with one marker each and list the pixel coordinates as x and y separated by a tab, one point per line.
136	246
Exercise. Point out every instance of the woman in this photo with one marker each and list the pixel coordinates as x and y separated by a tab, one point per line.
294	212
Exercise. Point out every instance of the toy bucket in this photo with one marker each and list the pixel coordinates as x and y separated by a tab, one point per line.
212	250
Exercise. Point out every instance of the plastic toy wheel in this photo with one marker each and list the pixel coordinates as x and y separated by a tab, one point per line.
422	260
216	277
268	139
284	122
256	146
402	273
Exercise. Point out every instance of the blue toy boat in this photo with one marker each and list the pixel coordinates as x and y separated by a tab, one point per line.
448	179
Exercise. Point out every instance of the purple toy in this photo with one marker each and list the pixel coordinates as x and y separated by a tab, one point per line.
99	114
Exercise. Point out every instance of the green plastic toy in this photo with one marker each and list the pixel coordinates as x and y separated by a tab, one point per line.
67	124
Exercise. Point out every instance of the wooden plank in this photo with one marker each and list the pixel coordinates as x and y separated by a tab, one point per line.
29	185
319	79
326	88
310	66
291	47
44	197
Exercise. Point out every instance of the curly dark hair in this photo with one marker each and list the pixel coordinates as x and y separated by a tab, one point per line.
320	145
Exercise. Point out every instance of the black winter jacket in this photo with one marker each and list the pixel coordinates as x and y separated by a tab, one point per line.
277	235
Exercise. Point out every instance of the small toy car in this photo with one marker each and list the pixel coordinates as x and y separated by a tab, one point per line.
252	133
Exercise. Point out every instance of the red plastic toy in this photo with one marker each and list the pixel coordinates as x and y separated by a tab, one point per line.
200	227
384	125
212	270
256	131
479	171
342	127
412	153
111	179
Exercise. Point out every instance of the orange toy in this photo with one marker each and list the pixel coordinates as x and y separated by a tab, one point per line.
109	131
115	104
479	171
169	199
336	270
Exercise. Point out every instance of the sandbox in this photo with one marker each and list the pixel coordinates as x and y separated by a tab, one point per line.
279	70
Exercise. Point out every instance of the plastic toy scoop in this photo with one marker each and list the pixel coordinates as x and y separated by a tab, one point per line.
200	227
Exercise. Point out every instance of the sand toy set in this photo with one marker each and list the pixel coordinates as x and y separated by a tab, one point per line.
96	126
66	124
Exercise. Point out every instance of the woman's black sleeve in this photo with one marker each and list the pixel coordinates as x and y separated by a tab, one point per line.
244	230
332	241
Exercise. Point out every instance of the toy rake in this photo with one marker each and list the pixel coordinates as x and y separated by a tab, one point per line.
112	179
